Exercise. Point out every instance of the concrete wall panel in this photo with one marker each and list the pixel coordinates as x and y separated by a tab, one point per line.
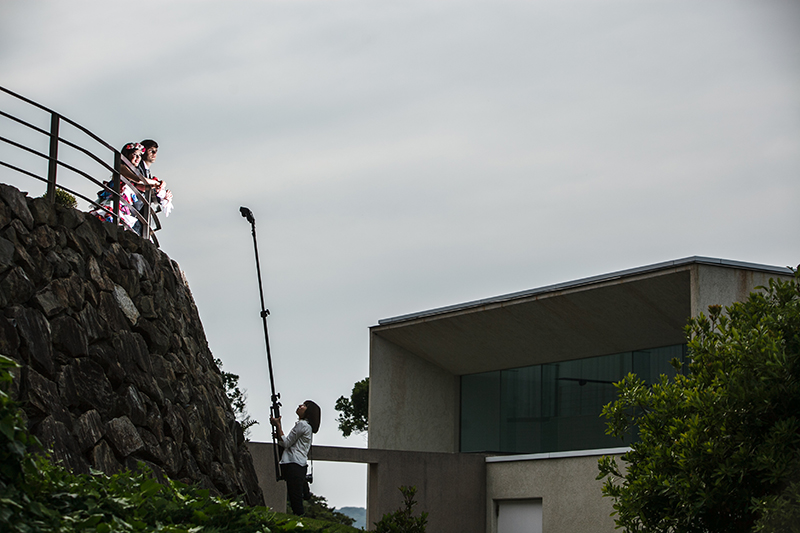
571	496
450	487
264	463
413	404
712	285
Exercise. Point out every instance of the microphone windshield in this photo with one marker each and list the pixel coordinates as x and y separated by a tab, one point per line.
246	213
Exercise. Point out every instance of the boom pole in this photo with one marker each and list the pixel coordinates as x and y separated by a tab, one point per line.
275	407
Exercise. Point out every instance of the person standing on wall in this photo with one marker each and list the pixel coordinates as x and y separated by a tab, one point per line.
163	195
148	157
296	446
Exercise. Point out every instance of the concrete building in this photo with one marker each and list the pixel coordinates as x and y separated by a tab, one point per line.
491	408
522	377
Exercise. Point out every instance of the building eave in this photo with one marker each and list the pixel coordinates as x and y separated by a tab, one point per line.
602	278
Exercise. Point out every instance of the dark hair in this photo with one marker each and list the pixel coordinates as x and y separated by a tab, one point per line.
313	415
149	143
130	148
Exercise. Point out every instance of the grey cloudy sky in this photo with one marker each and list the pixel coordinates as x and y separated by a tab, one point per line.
400	156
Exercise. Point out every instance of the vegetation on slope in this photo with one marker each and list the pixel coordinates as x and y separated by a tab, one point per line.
37	495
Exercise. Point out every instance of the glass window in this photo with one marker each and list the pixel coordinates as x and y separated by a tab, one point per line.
480	403
554	406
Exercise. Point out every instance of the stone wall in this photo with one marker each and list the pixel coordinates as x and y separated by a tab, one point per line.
116	368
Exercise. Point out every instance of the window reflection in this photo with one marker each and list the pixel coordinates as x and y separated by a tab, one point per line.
554	406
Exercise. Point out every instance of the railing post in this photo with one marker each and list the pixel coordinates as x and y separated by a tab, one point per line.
146	228
117	185
52	167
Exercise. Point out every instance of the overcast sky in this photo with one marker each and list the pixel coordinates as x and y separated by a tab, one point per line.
400	156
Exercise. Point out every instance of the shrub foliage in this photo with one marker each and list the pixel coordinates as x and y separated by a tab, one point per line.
238	399
719	448
66	199
402	520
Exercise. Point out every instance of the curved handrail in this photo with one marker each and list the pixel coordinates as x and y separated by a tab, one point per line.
65	141
65	119
54	163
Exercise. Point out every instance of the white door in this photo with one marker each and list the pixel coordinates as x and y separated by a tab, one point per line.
519	516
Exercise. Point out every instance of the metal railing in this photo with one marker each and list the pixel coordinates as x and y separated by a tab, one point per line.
148	219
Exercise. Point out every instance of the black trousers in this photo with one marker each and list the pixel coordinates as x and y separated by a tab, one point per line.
296	485
143	206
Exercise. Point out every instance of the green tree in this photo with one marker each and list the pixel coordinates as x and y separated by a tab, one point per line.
317	507
718	448
354	411
238	398
402	521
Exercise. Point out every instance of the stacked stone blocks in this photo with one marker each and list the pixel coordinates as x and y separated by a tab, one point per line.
116	368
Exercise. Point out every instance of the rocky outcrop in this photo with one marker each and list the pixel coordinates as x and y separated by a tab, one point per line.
116	368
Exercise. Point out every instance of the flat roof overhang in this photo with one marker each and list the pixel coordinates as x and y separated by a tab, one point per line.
635	309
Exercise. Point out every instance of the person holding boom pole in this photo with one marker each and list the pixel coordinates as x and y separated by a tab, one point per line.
293	465
296	446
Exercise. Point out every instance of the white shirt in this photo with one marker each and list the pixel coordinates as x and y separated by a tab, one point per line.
297	444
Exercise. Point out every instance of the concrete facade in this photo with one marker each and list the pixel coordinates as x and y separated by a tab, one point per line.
417	360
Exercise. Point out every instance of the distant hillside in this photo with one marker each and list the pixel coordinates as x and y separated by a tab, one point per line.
359	514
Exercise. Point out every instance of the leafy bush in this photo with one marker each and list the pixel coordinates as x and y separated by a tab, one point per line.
14	437
719	448
130	502
66	199
401	520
